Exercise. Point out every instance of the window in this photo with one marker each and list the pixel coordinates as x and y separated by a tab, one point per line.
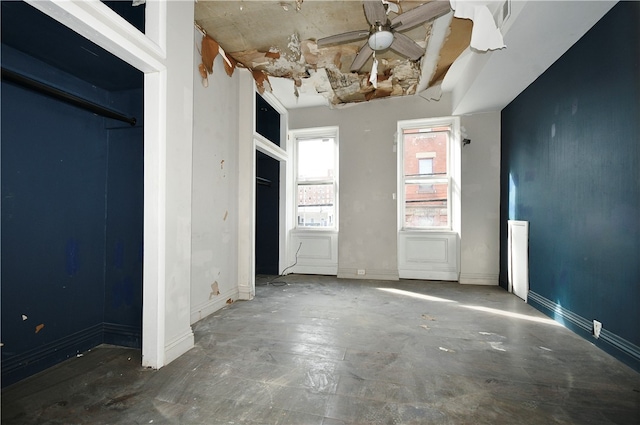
425	168
316	178
425	174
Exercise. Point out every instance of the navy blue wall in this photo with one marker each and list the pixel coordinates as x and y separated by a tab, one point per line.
267	195
71	222
571	167
267	120
124	222
267	214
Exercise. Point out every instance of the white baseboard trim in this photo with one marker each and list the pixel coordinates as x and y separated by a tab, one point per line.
479	279
428	275
208	307
245	293
178	346
573	320
331	270
372	274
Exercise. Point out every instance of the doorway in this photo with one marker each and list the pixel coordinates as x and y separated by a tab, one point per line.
72	163
267	214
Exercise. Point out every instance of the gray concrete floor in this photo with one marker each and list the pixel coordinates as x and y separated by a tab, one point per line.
318	350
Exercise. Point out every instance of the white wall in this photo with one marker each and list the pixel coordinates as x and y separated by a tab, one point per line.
214	252
178	336
480	247
368	226
367	213
541	30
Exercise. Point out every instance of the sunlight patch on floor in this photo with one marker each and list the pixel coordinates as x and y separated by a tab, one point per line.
416	295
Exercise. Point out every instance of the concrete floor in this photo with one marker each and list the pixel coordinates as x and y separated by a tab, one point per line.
318	350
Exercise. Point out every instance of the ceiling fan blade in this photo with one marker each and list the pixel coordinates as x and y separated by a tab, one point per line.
362	57
343	38
406	46
375	12
420	15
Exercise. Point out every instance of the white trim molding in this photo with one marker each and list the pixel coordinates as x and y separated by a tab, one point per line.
178	346
489	279
97	22
215	303
608	340
372	274
246	187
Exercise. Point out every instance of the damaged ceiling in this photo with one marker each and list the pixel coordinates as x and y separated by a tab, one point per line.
278	39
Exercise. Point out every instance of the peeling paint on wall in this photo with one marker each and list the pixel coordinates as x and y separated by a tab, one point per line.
39	327
215	290
209	50
261	77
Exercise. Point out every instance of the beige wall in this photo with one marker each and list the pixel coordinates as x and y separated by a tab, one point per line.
214	201
367	214
480	244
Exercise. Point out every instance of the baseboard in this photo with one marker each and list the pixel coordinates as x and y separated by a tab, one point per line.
330	270
479	279
178	346
503	283
615	345
122	335
27	363
372	274
428	275
203	310
245	293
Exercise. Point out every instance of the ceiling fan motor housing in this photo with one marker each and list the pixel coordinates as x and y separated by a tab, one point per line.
381	37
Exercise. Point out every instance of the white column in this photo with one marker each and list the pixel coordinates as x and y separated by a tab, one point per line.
246	188
178	336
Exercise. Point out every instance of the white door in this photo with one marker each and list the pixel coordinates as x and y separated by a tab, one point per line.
519	258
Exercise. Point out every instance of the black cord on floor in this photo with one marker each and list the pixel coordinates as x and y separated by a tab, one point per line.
275	281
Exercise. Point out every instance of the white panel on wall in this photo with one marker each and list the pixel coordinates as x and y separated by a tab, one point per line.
427	250
315	247
428	255
518	258
317	252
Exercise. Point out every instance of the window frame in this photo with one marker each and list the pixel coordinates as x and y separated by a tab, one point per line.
315	133
449	178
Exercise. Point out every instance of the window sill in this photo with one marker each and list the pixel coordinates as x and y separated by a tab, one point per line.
439	231
313	230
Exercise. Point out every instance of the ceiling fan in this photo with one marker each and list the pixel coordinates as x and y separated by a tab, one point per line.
385	33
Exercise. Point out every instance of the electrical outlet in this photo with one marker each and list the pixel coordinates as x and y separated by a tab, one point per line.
360	272
597	327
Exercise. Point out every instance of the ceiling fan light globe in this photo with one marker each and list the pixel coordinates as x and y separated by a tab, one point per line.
380	40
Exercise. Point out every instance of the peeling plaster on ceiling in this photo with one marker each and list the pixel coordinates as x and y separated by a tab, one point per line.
456	42
272	37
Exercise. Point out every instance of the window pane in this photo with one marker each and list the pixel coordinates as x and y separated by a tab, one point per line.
316	205
316	159
425	152
425	166
426	208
